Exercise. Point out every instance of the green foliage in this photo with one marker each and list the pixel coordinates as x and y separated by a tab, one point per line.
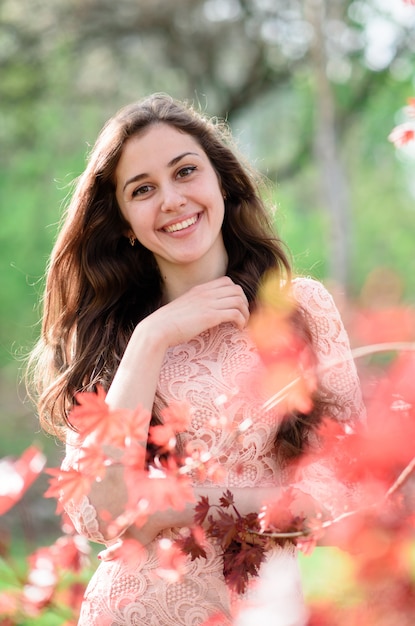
58	85
34	182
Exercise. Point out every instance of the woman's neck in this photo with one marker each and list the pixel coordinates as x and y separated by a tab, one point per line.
178	280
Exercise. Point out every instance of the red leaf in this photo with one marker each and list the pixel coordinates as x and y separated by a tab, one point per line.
177	415
223	528
93	418
389	442
162	436
201	510
68	485
227	499
287	513
159	490
92	413
92	461
240	562
134	457
192	544
129	427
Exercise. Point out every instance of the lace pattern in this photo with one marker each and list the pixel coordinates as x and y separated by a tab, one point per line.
84	518
121	596
212	373
336	368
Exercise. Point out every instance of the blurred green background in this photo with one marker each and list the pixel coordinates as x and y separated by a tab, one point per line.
311	89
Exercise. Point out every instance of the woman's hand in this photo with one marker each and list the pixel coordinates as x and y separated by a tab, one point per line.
202	307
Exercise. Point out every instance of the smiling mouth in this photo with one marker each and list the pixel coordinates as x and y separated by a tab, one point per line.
174	228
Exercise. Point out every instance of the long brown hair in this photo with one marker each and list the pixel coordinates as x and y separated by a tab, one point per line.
98	287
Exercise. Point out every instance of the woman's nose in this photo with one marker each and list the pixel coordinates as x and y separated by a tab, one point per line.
172	199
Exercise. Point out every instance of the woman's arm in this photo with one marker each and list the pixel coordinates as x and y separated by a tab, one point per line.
136	379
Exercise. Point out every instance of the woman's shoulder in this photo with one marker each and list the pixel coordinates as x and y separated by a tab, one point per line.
311	293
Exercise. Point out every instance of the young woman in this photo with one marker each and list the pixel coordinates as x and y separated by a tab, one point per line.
150	289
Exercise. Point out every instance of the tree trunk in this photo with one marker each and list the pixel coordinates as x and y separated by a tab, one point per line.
333	180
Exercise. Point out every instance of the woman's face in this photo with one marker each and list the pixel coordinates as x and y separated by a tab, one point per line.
170	195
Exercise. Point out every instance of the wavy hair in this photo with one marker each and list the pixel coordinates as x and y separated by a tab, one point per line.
98	287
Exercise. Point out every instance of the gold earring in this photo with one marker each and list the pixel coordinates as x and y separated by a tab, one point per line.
132	240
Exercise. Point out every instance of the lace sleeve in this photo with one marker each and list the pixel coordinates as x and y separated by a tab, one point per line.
339	382
82	514
339	387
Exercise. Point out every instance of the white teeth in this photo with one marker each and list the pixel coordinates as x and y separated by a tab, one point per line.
181	225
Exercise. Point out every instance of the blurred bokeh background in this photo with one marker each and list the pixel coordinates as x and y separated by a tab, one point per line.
311	89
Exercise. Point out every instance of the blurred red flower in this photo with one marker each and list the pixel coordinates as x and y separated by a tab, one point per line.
16	476
402	134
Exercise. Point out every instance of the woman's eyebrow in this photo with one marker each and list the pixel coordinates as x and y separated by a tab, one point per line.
171	163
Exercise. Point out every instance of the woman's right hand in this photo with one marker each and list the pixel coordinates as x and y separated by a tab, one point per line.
202	307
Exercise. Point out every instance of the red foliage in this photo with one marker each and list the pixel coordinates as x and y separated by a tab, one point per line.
192	542
16	476
374	455
68	485
128	427
176	418
46	566
383	325
288	512
172	561
177	415
288	360
92	414
92	417
402	134
127	550
159	489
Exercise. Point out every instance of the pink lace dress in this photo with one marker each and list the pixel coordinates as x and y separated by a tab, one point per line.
212	373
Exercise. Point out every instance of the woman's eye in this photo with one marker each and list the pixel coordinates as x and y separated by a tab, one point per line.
186	171
140	191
